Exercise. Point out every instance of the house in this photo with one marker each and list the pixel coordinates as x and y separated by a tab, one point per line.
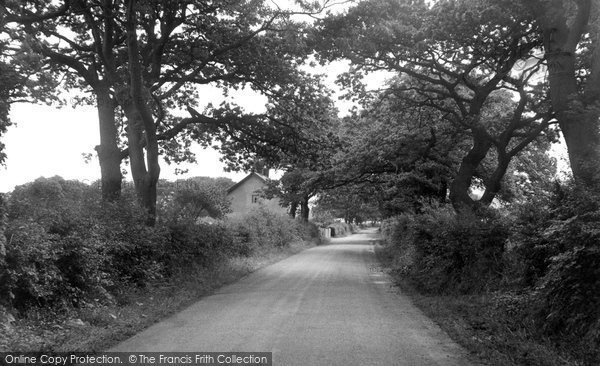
246	195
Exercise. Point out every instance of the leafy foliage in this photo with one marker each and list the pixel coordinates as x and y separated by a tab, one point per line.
191	199
563	253
58	205
466	111
352	203
570	31
65	247
457	65
263	229
550	253
448	253
142	63
571	295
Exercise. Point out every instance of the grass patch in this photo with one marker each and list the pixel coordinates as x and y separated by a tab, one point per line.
492	326
100	327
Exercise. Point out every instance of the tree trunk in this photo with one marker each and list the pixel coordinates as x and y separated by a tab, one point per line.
109	155
577	117
304	209
494	182
145	186
443	191
2	227
459	188
578	124
145	171
293	209
582	139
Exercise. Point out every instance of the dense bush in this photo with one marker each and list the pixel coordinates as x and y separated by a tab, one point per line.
445	253
527	254
571	289
262	228
547	248
134	251
545	228
564	252
59	205
65	247
50	253
194	198
398	233
198	243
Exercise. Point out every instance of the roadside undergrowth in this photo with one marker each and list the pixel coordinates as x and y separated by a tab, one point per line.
491	326
98	328
80	274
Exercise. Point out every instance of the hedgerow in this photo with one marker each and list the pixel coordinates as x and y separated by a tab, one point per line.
262	228
548	249
67	248
446	253
569	284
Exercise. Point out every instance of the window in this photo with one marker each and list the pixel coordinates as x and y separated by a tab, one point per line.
255	198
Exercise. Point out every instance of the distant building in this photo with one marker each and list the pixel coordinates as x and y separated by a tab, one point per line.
245	195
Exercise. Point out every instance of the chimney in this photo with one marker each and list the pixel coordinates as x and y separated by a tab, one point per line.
261	168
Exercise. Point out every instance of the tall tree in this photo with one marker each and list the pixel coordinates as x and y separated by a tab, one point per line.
143	60
571	39
393	144
457	57
394	159
79	57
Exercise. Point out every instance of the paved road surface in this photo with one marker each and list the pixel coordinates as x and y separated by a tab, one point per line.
328	305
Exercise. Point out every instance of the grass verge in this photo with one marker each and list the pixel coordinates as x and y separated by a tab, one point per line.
98	328
492	327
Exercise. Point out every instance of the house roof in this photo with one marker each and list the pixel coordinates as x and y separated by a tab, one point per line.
259	176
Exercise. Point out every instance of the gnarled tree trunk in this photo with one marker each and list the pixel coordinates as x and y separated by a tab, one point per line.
461	185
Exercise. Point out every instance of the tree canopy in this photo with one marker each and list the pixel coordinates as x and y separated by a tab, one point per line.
141	61
468	108
472	65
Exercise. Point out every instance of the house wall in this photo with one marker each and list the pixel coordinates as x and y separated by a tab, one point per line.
242	198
